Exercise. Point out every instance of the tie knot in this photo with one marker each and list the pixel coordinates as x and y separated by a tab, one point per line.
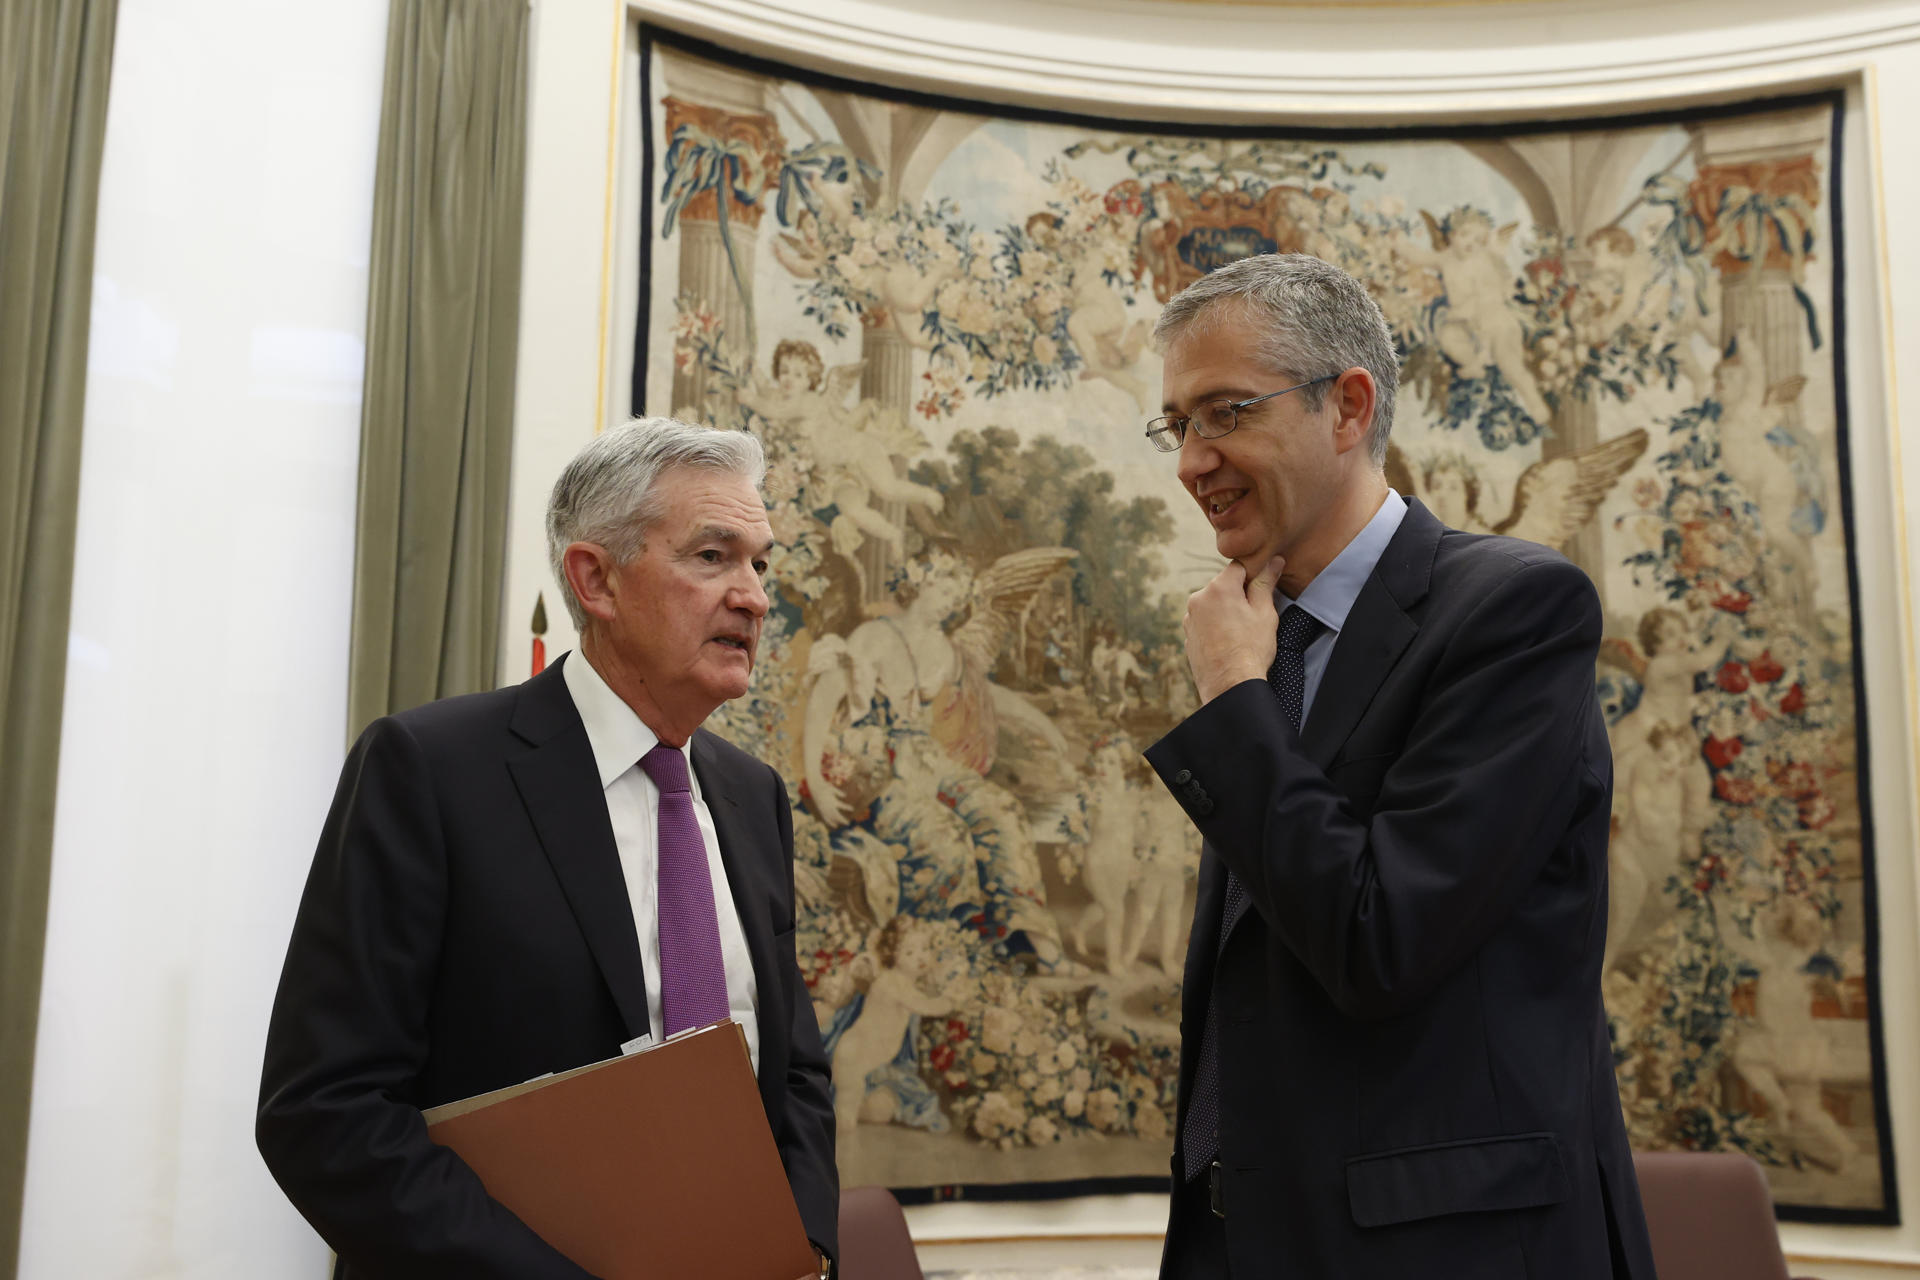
667	766
1298	629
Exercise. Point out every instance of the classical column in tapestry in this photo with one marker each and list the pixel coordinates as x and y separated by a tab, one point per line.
1757	196
1575	185
1756	193
723	154
901	146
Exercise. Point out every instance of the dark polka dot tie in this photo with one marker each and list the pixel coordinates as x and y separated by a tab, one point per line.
1287	677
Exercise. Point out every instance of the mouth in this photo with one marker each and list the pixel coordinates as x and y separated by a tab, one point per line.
743	644
1220	501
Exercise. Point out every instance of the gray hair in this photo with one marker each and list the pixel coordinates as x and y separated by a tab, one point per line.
1315	319
609	493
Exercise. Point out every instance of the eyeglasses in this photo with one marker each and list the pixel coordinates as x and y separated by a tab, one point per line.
1213	419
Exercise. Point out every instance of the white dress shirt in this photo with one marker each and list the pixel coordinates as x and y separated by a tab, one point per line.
619	738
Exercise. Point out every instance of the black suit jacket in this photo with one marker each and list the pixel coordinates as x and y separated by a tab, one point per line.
466	926
1415	1071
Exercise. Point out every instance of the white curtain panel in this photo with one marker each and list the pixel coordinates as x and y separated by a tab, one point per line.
207	674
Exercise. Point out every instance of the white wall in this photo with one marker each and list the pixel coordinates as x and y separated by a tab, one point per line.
1336	64
567	362
206	686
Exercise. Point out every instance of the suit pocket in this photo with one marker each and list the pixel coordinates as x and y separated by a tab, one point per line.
1517	1171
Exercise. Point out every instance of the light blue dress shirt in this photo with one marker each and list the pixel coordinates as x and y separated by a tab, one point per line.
1330	596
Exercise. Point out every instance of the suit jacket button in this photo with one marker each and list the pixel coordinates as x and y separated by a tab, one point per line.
1203	806
1183	777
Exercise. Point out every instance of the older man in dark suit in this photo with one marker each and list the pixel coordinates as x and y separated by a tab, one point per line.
522	881
1396	1062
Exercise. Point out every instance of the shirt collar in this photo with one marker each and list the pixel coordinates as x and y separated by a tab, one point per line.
618	737
1330	596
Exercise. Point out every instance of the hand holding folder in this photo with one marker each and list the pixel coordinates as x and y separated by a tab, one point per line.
655	1164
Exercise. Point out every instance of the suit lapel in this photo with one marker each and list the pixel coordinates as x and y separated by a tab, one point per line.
735	829
744	852
559	784
1377	631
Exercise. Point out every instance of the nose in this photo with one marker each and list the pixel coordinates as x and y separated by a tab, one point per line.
751	595
1197	456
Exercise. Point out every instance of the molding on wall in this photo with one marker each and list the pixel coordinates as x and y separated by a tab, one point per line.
1299	64
620	24
1874	122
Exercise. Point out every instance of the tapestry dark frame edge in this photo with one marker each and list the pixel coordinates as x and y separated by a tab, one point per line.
1889	1215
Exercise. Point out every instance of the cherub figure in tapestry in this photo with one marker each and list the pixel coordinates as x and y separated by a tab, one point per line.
1774	463
1612	287
1663	789
896	980
1785	1056
894	268
1107	858
1476	326
1167	851
1109	338
1332	234
903	709
1656	778
1554	499
853	447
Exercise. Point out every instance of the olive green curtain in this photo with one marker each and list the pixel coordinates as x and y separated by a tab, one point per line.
442	332
55	58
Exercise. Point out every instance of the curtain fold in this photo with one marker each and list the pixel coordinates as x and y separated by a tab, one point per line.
55	61
443	317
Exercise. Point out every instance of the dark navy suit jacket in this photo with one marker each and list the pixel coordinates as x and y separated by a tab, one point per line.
1415	1073
466	926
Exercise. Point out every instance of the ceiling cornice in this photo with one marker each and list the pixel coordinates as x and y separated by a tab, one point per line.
1163	59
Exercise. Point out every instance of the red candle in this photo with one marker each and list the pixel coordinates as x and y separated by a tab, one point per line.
539	629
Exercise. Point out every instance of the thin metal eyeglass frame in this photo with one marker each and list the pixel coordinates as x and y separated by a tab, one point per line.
1163	428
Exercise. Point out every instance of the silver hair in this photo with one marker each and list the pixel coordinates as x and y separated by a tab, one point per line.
1314	319
609	493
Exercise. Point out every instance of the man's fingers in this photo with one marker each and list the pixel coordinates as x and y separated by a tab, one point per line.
1230	579
1263	583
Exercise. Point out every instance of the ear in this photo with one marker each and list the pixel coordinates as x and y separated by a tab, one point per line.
590	572
1353	402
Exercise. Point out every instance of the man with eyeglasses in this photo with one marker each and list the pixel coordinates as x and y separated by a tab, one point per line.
1395	1061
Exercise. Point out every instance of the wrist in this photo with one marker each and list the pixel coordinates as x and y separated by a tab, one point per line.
1226	680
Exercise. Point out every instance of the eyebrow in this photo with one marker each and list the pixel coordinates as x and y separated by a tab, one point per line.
724	533
1216	393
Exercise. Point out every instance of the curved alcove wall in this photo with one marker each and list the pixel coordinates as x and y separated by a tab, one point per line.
1305	65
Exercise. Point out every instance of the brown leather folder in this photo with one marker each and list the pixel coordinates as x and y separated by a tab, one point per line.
659	1163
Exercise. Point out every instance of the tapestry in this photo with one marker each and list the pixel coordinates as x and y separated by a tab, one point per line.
1621	339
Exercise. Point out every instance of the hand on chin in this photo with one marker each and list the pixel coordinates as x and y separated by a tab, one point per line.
1229	627
1253	561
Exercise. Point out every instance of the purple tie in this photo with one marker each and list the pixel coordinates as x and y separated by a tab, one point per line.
693	977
